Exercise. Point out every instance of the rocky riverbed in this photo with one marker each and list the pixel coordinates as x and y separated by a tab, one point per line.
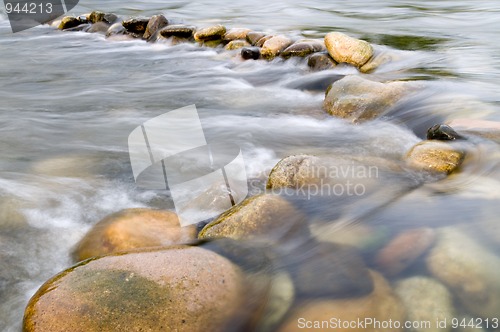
399	225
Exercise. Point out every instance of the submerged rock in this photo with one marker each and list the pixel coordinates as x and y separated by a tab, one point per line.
358	99
343	48
280	299
303	48
253	37
381	305
469	270
378	59
136	25
404	250
426	300
442	132
264	218
177	30
434	156
236	45
235	34
70	22
176	289
97	16
329	270
133	229
210	33
321	61
248	53
99	27
274	46
156	23
117	29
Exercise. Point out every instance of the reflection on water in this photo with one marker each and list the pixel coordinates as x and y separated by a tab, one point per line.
69	101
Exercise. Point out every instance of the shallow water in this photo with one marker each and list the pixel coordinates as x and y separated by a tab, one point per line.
69	101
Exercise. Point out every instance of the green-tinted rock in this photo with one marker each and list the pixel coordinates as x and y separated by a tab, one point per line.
175	289
266	218
97	16
236	45
320	61
426	300
177	30
70	22
136	25
468	269
358	99
156	23
253	37
435	156
133	229
303	48
343	48
274	46
210	33
236	33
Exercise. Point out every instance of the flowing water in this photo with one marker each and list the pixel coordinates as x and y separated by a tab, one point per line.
68	101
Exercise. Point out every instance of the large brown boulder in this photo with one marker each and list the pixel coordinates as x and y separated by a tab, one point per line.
133	229
177	289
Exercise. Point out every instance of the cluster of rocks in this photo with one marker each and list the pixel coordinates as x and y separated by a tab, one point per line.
321	54
264	264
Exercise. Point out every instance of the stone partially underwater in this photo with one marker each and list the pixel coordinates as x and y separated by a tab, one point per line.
294	256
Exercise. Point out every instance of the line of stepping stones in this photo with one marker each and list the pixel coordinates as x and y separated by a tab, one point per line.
336	47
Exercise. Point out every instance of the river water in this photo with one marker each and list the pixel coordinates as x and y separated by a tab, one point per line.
68	102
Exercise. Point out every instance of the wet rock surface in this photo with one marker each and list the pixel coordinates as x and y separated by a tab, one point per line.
267	218
253	37
435	156
97	16
177	30
215	32
250	53
442	133
136	25
133	229
404	249
235	34
182	288
382	304
426	300
70	22
358	99
468	269
303	48
156	23
329	270
274	46
321	61
343	48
